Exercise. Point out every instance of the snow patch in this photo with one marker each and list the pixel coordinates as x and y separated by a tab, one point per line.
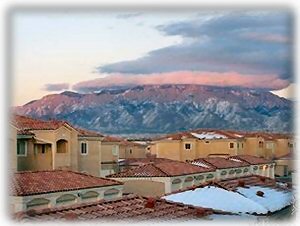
209	135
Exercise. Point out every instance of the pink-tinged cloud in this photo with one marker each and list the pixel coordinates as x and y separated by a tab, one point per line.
267	37
271	82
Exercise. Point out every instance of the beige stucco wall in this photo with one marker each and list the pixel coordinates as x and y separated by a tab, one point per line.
132	151
35	159
19	202
91	162
68	160
175	149
12	149
282	147
106	151
144	188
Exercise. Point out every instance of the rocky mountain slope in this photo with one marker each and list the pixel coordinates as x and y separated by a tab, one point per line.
153	109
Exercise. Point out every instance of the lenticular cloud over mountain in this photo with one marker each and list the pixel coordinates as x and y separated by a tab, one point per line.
185	77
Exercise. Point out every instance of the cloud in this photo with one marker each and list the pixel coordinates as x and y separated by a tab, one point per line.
246	42
128	15
56	87
185	77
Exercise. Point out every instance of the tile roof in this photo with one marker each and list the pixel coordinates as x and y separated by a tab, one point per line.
219	162
143	161
88	133
27	123
130	207
254	180
226	134
112	139
253	160
24	132
40	182
162	169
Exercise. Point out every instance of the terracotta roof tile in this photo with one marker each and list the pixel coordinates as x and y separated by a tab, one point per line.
40	182
143	161
112	139
127	208
254	180
220	163
251	159
27	123
162	169
88	133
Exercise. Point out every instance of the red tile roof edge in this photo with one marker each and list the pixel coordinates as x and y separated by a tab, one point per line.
117	175
54	210
115	182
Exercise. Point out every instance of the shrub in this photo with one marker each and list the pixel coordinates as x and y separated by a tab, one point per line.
260	193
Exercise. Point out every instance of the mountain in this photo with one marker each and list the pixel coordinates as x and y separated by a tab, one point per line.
156	109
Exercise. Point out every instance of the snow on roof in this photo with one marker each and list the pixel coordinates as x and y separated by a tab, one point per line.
218	198
209	135
200	164
272	200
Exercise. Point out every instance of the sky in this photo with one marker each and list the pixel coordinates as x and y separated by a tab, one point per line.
86	51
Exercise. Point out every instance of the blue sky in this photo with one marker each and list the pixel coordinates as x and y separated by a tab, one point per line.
86	51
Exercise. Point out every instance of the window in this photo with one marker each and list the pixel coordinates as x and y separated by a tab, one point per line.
22	148
187	146
130	151
199	177
238	171
242	145
210	176
224	172
115	150
246	170
269	145
176	181
290	145
66	198
231	171
90	195
37	203
111	193
255	168
43	148
260	144
238	145
231	145
83	148
61	146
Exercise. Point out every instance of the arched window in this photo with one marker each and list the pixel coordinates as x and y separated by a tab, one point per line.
66	198
37	203
238	170
224	172
90	195
210	176
188	179
176	181
199	177
61	146
246	170
232	171
111	193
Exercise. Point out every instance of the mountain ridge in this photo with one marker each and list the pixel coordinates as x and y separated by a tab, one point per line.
166	109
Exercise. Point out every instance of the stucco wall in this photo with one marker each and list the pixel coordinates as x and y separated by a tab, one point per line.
91	162
12	149
20	202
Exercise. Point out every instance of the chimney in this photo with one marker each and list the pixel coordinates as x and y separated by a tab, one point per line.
150	203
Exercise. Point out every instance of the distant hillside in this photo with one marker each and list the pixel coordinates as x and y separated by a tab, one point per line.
153	109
